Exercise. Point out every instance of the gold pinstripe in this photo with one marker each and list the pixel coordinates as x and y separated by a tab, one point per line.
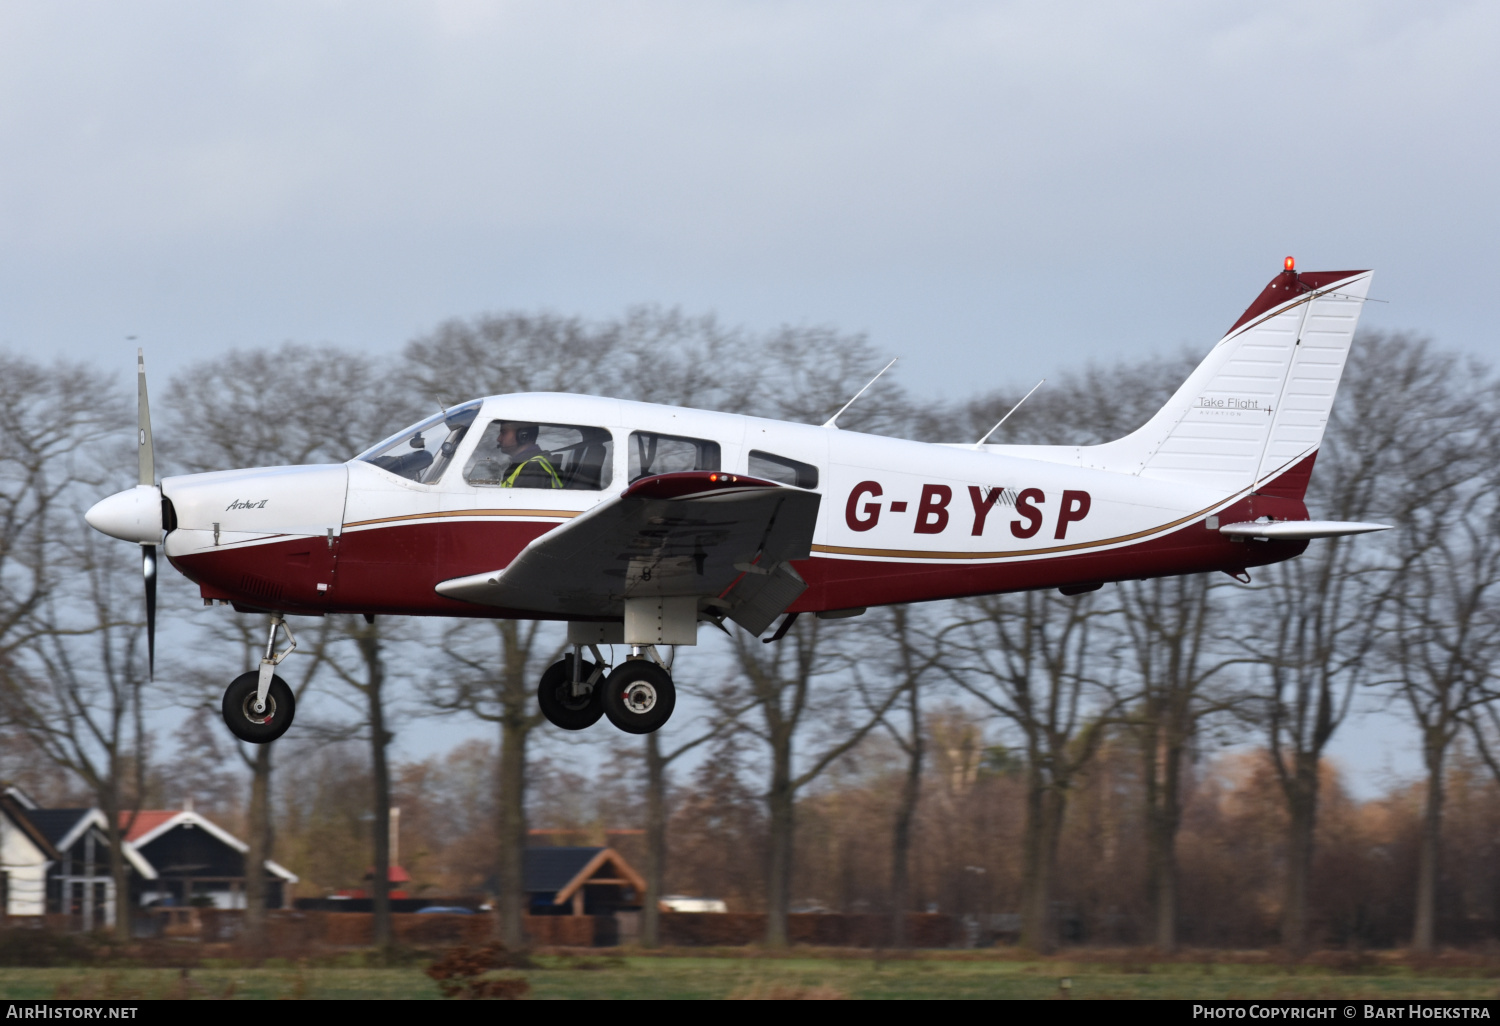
563	514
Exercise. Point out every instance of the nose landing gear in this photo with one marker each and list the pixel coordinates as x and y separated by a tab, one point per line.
258	706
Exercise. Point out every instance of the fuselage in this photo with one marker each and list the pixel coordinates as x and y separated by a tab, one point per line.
899	521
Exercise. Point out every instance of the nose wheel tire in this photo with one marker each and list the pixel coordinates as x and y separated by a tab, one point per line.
244	722
638	696
563	708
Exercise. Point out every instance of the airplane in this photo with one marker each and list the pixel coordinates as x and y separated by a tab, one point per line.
638	523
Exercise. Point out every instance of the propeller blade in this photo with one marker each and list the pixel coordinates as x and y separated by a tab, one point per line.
148	567
147	478
148	452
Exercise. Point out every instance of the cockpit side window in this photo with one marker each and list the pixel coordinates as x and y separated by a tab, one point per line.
652	454
782	470
525	454
423	451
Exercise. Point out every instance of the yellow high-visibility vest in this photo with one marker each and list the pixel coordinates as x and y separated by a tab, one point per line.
539	458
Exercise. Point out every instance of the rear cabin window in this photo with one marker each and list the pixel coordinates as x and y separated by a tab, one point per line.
782	470
652	454
523	454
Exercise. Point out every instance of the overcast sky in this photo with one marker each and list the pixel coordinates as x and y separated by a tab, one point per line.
994	191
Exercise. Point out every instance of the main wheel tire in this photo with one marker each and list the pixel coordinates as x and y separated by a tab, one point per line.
239	709
555	695
639	696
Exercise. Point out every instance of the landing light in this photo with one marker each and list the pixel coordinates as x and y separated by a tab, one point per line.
1291	263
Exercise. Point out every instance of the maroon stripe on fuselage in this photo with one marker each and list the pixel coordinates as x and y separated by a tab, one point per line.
845	583
394	569
379	570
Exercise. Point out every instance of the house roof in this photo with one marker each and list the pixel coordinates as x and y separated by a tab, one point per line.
147	822
561	871
57	824
150	824
63	827
20	796
20	815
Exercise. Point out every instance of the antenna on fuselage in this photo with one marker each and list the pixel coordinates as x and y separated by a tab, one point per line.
861	392
1013	409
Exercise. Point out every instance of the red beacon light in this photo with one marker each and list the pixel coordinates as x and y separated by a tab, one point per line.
1291	264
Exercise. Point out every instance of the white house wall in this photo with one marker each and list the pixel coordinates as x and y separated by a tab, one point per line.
26	870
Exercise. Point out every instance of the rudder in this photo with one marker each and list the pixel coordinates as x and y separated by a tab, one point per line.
1255	409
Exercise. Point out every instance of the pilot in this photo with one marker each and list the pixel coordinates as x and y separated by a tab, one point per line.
529	466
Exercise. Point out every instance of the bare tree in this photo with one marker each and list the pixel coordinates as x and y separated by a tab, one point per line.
781	678
70	672
58	423
1322	612
658	355
658	760
75	691
201	688
652	355
1030	658
1444	639
490	671
287	406
368	677
911	653
1170	626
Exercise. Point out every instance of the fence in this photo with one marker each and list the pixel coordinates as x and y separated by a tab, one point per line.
293	931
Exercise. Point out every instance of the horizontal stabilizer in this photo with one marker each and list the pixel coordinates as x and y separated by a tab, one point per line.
1298	530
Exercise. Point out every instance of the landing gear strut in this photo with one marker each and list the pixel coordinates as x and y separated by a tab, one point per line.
259	706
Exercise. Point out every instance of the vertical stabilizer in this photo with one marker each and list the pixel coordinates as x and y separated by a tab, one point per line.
1256	407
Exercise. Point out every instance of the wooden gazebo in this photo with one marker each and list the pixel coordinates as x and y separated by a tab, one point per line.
580	881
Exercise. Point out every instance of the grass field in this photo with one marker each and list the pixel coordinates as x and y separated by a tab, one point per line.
806	975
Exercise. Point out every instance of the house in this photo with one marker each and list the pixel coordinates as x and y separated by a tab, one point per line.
25	855
75	880
193	861
56	862
580	881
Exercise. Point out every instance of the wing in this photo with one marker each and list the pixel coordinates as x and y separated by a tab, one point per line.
726	539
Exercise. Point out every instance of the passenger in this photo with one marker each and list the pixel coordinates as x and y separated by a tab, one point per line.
529	466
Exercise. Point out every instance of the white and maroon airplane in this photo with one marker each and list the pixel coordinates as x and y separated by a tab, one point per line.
637	523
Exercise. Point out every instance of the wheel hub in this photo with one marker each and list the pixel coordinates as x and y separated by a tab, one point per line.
640	697
259	718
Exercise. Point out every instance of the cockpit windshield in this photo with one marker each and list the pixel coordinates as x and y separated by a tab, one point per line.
423	451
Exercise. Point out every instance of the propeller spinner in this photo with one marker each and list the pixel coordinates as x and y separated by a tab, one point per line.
135	514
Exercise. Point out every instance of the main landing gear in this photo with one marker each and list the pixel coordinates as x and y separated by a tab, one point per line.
637	696
572	700
258	706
